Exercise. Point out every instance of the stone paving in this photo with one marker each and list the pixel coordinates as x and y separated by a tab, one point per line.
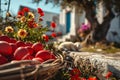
111	60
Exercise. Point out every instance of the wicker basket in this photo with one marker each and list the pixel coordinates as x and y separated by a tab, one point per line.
30	70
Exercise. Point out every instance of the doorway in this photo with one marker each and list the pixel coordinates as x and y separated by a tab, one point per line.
68	21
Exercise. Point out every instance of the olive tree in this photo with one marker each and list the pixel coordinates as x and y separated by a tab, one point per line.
98	30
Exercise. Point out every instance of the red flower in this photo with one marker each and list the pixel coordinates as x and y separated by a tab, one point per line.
53	35
41	14
25	9
40	10
75	77
46	38
92	78
108	74
75	71
20	13
53	24
35	25
31	24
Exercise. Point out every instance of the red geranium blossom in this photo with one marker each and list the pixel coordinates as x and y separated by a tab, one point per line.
20	13
25	9
92	78
41	14
108	74
53	35
40	11
75	71
35	25
46	38
32	24
53	24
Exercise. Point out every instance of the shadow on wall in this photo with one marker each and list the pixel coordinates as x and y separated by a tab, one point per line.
113	34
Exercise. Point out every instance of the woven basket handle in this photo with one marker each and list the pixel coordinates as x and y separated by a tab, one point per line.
18	70
16	64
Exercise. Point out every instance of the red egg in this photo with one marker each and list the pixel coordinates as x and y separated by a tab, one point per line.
5	48
30	49
27	57
20	44
37	47
53	56
20	52
44	54
14	47
3	60
4	38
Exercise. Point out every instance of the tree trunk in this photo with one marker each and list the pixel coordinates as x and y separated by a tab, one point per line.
98	31
101	30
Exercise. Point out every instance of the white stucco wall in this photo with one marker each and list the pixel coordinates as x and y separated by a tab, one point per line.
49	17
75	19
75	23
62	22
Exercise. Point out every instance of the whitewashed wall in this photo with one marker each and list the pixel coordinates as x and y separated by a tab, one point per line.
63	21
48	17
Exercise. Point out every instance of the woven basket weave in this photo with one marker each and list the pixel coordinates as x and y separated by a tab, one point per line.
30	70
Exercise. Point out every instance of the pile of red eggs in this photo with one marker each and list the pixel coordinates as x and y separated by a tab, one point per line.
13	50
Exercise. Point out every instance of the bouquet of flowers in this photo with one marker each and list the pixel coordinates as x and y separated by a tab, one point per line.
26	28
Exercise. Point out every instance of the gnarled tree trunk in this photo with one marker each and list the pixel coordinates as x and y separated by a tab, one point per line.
98	31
